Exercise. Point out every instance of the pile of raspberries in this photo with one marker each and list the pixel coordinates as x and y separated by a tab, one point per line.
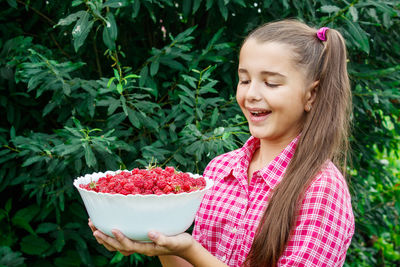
147	181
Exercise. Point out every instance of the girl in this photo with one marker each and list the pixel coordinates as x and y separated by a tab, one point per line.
279	200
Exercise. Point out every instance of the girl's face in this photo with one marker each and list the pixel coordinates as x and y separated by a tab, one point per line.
272	92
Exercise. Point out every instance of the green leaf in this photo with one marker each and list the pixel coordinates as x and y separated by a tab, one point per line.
110	32
32	160
23	217
77	2
354	13
132	76
120	89
12	3
123	101
360	36
329	9
115	119
71	18
116	74
34	245
154	67
27	213
143	76
223	9
136	8
115	3
44	228
113	104
240	2
81	30
8	205
60	241
209	4
186	6
189	92
196	5
89	155
12	132
214	117
10	258
117	258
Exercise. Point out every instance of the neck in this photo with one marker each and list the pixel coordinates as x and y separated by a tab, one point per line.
269	149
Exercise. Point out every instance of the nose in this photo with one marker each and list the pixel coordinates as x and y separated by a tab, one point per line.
254	91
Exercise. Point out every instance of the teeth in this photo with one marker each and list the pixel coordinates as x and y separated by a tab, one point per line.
259	112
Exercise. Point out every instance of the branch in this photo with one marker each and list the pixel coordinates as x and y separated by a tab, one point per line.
49	20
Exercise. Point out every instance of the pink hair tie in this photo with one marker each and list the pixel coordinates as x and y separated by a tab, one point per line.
321	33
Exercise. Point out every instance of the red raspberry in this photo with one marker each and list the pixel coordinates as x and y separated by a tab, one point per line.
168	189
161	184
170	169
143	181
138	182
157	170
186	186
148	184
129	186
124	192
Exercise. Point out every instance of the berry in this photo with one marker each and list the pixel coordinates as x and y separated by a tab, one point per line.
154	180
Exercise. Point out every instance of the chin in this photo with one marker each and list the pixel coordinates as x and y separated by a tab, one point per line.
259	134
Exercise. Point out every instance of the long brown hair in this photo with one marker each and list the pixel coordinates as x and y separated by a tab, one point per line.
324	135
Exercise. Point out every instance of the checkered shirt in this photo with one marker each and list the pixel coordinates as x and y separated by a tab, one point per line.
229	214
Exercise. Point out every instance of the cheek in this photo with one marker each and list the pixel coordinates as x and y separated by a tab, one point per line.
239	95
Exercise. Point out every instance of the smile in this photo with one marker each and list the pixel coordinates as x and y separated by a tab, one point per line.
259	114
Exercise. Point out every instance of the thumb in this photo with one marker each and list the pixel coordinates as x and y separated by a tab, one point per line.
158	238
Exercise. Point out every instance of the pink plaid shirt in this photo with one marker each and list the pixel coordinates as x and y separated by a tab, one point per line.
230	212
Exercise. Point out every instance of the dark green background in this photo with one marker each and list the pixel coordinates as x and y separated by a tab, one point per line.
71	103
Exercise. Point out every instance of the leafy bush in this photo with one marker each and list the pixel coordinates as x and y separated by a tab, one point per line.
101	85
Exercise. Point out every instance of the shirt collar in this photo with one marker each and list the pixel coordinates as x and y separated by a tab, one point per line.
273	173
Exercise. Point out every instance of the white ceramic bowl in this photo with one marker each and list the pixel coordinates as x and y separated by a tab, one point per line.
136	215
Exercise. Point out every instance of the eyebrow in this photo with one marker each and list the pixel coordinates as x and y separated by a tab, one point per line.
264	72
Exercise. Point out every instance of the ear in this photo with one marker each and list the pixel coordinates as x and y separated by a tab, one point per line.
310	96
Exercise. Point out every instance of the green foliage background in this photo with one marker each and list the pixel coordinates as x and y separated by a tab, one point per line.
101	85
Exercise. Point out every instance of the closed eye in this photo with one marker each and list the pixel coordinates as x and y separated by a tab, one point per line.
272	85
245	82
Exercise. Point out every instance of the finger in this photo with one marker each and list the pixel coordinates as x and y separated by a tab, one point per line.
171	244
126	243
108	240
126	253
149	249
158	238
109	248
91	225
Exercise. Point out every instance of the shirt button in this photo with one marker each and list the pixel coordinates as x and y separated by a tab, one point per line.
223	258
234	230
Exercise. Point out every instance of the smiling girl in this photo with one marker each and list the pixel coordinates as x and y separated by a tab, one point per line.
280	200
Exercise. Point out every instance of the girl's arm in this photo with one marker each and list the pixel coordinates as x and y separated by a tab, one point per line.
172	261
181	250
197	256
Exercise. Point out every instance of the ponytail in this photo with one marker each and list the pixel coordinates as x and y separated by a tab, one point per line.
323	137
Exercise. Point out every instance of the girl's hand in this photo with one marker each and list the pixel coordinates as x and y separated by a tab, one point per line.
162	245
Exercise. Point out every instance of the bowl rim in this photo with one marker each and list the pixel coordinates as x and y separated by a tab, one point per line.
77	181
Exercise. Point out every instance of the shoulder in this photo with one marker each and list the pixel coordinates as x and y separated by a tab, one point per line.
329	194
325	223
328	181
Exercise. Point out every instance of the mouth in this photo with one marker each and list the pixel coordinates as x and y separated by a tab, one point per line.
259	112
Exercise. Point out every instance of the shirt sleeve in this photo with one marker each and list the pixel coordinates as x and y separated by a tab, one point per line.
196	233
324	227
